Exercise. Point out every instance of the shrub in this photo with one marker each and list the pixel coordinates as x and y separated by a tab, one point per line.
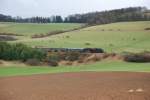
7	38
147	28
1	62
111	45
72	56
19	52
63	55
53	57
138	57
47	34
67	36
11	34
134	39
33	62
96	58
53	63
87	43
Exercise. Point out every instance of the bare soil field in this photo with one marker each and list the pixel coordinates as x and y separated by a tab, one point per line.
77	86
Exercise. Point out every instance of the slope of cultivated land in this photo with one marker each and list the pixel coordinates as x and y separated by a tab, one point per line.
77	86
29	29
115	37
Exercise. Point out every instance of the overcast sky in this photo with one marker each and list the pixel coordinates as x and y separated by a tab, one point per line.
29	8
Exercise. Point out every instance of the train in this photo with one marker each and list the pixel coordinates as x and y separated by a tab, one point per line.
81	50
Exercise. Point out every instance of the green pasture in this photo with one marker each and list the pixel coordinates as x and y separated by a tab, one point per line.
29	29
115	37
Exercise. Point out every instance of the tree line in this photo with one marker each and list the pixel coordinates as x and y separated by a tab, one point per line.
117	15
37	19
103	17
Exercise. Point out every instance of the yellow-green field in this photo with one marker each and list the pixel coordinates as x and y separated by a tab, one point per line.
115	37
29	29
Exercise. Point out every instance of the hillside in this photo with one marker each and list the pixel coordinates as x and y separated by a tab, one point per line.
115	37
29	29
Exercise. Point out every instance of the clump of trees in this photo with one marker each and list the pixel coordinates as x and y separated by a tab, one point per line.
33	56
19	51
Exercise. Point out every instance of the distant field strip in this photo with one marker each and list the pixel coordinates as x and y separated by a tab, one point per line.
29	29
102	66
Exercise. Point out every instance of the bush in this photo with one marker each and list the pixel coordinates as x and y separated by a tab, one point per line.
147	28
7	38
87	43
48	34
33	62
111	45
53	57
68	56
53	63
11	34
19	52
67	36
1	62
72	56
138	57
134	39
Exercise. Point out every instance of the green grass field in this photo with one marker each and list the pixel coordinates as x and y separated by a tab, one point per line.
100	66
29	29
115	37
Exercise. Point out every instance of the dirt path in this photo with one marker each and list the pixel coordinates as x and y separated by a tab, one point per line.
77	86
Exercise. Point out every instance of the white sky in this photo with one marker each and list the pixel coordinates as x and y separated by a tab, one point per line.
29	8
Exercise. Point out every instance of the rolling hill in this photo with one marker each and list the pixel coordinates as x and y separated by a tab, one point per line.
29	29
115	37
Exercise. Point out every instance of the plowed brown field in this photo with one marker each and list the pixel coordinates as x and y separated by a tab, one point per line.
77	86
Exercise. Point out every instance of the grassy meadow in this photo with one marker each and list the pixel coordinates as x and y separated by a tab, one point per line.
115	37
19	69
29	29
